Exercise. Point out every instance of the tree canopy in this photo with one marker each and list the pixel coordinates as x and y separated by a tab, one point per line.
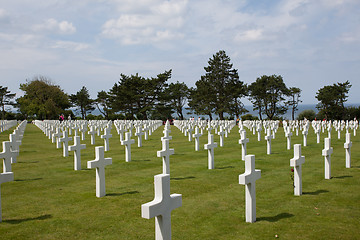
137	96
267	94
42	99
331	100
219	90
82	101
5	99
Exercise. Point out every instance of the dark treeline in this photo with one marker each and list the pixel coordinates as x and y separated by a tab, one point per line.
219	91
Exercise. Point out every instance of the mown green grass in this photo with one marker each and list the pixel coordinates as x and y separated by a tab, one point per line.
49	200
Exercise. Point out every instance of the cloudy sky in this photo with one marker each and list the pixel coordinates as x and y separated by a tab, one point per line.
311	43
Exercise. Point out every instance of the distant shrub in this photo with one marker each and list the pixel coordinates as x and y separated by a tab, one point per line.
249	117
308	114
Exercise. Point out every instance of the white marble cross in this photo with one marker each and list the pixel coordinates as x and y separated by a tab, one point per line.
347	146
75	128
55	138
288	135
139	134
210	146
107	135
221	133
99	163
259	129
248	179
127	142
305	133
189	130
197	135
296	163
317	132
268	138
161	207
121	131
166	132
14	146
83	130
326	152
65	140
243	141
7	155
165	154
5	177
92	133
77	147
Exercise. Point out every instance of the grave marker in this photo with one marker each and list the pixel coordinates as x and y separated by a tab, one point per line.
197	136
248	179
161	206
296	163
210	146
127	142
347	146
268	138
243	141
107	135
165	154
77	147
65	140
7	155
99	163
326	152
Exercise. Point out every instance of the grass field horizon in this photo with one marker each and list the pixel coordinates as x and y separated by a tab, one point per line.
49	200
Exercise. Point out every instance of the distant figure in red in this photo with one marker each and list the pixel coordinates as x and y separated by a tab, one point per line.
61	118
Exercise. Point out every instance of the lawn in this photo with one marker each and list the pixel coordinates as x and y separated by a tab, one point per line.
49	200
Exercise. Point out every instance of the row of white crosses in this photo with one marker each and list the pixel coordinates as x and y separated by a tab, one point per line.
100	162
7	124
10	150
163	203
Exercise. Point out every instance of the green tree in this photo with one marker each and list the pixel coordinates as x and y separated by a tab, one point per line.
103	103
42	99
137	96
5	99
177	94
220	89
331	100
294	101
308	114
82	101
267	94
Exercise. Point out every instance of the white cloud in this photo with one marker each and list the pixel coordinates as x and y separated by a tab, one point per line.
162	22
249	35
52	25
73	46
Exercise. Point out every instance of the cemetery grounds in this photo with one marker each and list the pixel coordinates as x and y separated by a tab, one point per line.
49	200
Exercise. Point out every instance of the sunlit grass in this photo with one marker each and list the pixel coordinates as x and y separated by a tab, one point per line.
49	200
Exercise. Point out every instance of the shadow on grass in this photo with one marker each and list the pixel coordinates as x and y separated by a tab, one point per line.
28	162
146	160
342	177
275	218
29	179
316	192
120	194
182	178
17	221
225	167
